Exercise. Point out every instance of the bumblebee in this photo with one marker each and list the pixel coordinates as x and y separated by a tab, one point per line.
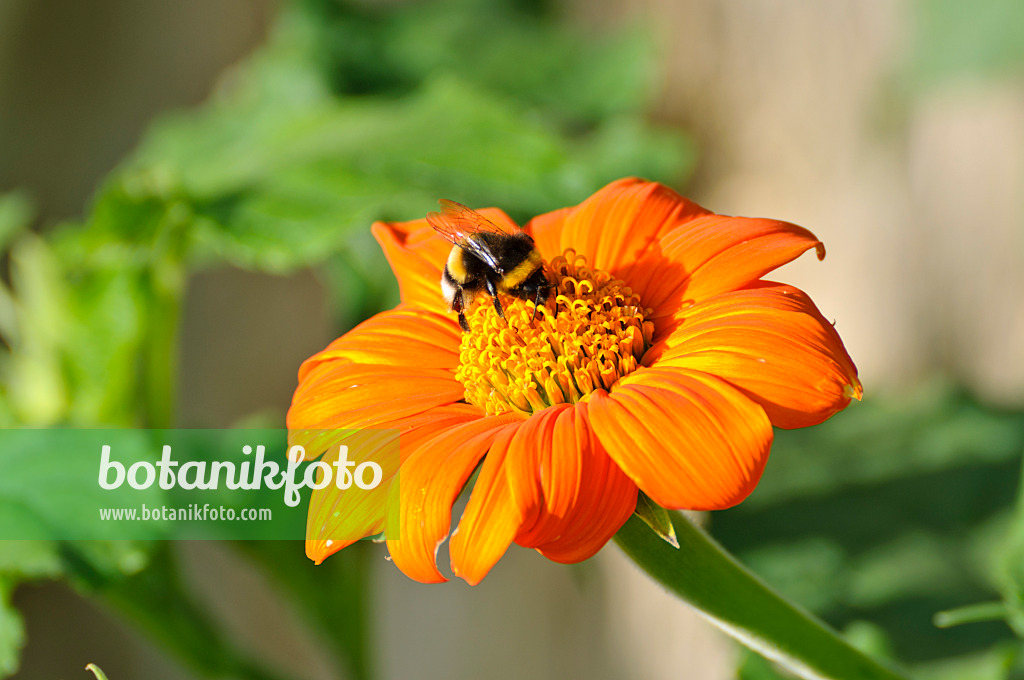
489	258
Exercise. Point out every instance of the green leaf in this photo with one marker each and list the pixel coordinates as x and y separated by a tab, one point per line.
657	518
308	144
319	174
555	66
753	666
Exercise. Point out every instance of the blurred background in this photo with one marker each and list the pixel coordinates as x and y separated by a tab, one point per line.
187	194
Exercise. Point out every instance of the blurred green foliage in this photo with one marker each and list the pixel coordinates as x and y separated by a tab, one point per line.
891	512
1009	570
352	112
357	112
898	510
957	39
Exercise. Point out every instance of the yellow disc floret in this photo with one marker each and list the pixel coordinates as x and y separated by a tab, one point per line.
590	333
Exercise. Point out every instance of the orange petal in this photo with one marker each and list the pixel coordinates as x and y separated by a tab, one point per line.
398	337
546	231
770	341
354	518
615	226
428	484
342	395
417	255
355	381
688	439
410	427
713	254
560	476
491	519
339	517
418	429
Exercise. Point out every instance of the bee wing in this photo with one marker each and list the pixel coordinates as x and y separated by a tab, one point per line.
457	223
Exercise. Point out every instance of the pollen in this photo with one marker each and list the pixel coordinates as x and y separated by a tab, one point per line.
588	334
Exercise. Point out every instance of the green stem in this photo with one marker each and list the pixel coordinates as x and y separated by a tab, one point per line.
708	578
100	675
974	613
165	285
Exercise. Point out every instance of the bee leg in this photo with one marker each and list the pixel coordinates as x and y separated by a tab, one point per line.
536	304
493	290
458	305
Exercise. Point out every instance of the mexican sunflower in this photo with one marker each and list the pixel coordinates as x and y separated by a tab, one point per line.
659	363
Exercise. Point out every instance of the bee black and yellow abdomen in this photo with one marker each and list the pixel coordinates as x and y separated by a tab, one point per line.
463	277
455	267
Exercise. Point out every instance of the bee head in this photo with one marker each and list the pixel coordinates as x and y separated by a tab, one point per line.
536	287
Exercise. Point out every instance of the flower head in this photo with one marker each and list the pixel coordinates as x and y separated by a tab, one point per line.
659	363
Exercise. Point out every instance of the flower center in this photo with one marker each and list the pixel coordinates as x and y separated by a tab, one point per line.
594	335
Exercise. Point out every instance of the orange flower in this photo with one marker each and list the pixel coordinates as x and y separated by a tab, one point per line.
660	363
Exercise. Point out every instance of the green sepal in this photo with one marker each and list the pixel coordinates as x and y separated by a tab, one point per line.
657	518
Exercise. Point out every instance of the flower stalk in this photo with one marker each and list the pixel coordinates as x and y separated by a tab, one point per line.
708	578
